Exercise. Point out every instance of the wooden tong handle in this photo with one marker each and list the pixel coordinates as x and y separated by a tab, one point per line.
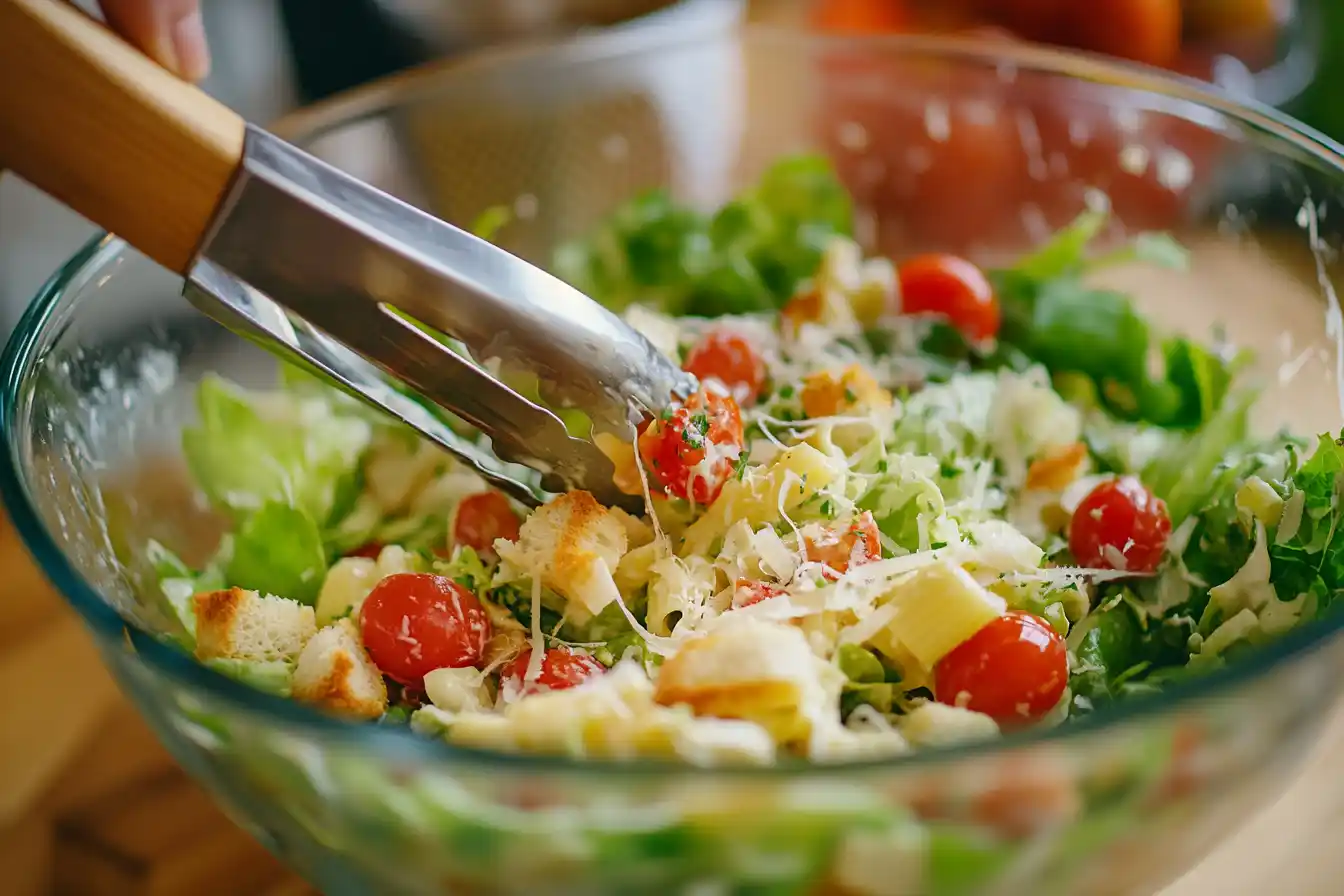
92	121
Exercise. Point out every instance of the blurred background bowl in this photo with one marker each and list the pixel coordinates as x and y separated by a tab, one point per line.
99	377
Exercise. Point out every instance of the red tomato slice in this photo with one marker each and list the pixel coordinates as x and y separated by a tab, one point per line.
692	450
414	623
953	288
749	591
368	551
1120	525
561	668
843	548
730	359
482	518
1014	670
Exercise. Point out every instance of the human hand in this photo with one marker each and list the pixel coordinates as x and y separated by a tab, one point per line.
169	31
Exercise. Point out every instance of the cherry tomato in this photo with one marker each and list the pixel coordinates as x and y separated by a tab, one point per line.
859	16
730	359
483	517
693	449
1147	31
368	551
414	623
750	591
844	547
1013	670
560	668
1120	525
951	287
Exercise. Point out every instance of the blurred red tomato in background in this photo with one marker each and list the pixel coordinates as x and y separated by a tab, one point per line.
950	157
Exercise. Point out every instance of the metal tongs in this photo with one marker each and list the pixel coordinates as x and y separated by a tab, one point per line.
318	266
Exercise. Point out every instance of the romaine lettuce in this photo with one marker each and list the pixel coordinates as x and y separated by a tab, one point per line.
248	450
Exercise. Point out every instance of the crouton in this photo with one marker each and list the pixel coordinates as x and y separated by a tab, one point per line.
244	625
755	671
852	391
574	544
1057	467
335	672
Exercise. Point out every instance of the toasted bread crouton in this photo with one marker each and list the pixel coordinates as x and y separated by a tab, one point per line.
758	671
1056	468
244	625
853	390
574	544
335	673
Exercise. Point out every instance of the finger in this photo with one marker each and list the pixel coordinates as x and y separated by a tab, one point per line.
169	31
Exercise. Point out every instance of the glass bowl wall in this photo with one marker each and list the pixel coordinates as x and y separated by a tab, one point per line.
957	146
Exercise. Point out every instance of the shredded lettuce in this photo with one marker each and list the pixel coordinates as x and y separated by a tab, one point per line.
1310	559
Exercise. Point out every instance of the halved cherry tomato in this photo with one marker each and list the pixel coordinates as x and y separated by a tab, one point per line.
483	517
730	359
414	623
693	449
953	288
1013	670
1120	525
369	550
844	547
750	591
560	668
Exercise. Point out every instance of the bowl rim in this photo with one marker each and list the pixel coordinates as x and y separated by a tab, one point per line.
22	356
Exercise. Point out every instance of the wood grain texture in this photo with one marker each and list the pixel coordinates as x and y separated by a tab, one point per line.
96	124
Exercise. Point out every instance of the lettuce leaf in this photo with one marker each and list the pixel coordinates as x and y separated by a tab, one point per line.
1055	318
278	550
248	450
1310	560
748	256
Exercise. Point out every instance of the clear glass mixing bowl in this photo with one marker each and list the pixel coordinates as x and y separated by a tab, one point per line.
969	147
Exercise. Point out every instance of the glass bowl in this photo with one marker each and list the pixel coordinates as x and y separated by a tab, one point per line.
969	147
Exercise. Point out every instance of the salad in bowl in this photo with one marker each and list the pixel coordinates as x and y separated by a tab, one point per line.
915	503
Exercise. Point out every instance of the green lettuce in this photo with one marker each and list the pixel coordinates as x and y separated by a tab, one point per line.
748	256
278	550
249	450
1310	560
1054	317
